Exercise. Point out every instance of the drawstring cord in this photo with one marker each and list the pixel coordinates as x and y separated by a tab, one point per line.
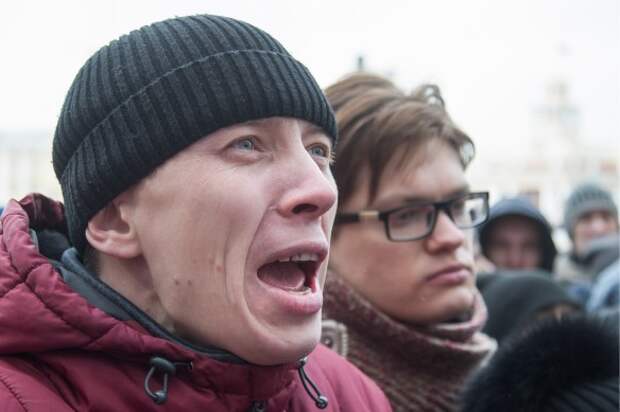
169	369
319	400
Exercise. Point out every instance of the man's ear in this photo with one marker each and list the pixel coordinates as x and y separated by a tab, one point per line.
112	231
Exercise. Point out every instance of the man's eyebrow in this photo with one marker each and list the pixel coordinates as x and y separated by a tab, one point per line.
454	193
309	128
259	122
399	199
314	129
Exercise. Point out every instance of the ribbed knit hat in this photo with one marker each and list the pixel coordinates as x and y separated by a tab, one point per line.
585	198
148	95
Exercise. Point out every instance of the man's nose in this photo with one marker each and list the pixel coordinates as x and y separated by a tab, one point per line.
445	235
514	258
310	192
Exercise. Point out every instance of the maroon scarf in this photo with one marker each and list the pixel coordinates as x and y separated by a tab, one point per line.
419	368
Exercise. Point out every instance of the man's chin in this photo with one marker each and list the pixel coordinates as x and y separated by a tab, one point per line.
458	305
281	350
450	306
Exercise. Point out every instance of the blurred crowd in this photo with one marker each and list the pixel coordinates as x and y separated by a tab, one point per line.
517	240
445	301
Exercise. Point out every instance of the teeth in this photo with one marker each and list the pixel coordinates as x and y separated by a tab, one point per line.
301	257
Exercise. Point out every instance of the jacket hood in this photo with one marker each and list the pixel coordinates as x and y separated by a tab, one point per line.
520	206
61	319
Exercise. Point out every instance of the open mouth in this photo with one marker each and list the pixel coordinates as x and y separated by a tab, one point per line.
295	273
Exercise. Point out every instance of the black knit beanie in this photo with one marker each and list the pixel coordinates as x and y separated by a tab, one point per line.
151	93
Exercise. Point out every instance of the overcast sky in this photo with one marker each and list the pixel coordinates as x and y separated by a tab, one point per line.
492	59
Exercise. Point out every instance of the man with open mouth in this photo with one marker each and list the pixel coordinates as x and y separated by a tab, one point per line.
185	269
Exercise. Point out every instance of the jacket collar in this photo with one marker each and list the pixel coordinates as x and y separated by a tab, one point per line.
32	288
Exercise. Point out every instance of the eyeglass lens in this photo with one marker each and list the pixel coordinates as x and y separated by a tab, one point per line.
416	221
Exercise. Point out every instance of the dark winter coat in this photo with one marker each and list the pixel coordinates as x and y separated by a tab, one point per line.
567	365
60	353
516	299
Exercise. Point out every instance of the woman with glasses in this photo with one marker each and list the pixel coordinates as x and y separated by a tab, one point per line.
401	300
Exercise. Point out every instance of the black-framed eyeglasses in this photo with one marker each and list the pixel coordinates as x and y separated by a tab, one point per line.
417	220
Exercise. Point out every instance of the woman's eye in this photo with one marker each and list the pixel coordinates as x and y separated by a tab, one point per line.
245	144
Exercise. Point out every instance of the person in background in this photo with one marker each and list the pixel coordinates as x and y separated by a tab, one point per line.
590	213
517	236
559	365
401	301
194	158
605	263
515	300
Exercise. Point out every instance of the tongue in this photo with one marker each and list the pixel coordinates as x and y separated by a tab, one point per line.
283	275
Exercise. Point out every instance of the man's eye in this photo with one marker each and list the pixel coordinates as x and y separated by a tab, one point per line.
319	150
458	206
410	215
245	144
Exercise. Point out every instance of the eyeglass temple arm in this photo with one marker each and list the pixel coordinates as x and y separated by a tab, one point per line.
357	217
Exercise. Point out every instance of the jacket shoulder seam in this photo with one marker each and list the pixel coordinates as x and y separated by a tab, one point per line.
47	376
21	275
21	278
13	392
51	309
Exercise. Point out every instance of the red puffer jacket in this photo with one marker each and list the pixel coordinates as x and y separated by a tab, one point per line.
59	353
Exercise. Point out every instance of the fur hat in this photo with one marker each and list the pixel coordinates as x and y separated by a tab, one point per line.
568	365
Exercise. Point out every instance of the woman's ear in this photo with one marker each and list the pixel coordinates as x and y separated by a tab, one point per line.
111	230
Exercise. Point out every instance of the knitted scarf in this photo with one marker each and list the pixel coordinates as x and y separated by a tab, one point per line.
418	368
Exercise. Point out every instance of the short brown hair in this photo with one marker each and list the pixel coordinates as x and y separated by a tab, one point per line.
376	120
